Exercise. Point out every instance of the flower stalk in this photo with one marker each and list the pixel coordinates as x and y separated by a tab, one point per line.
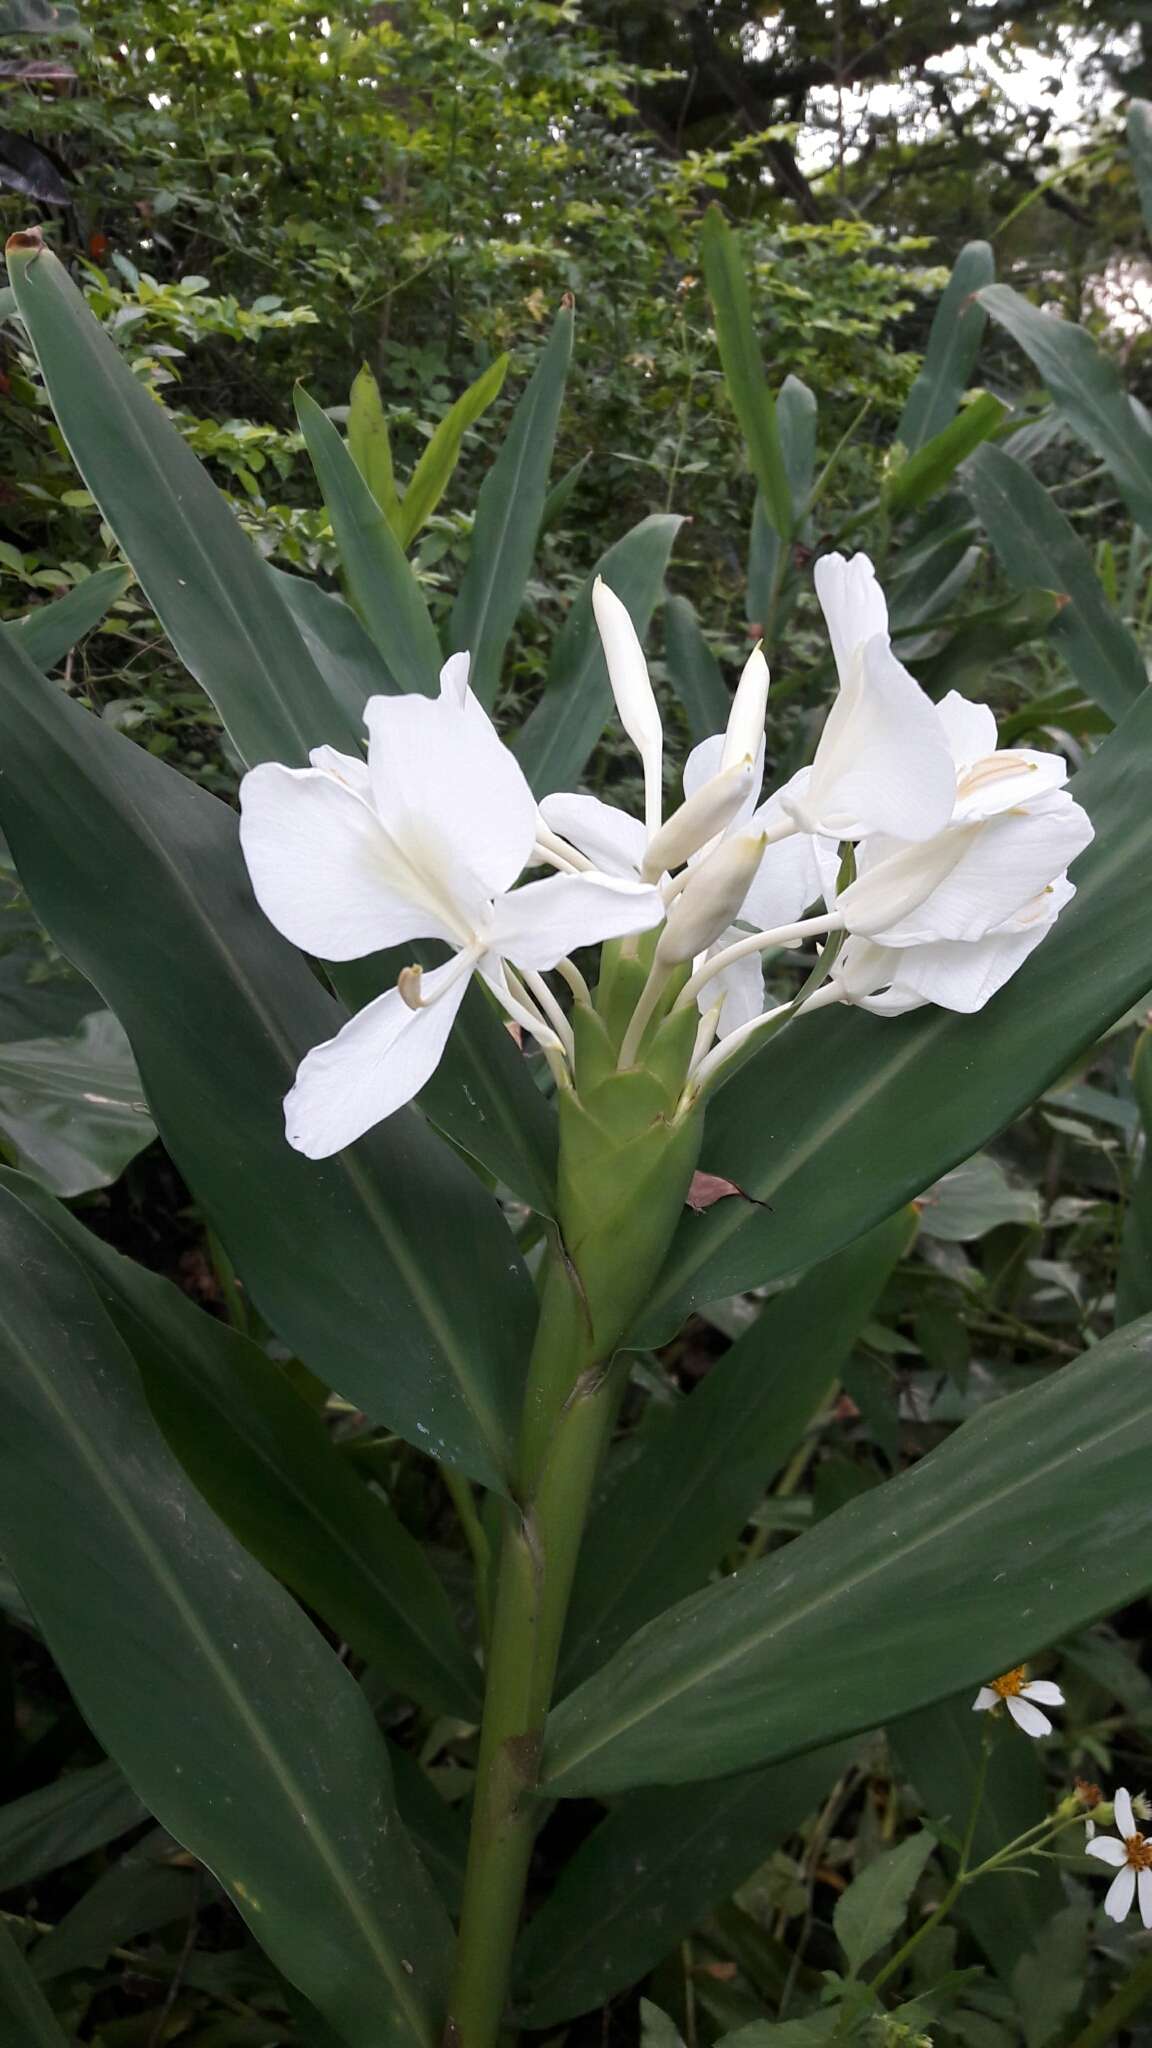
624	1152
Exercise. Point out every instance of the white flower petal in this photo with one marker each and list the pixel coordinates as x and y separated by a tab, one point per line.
1106	1849
788	879
970	728
1144	1894
883	763
323	869
1004	781
454	680
377	1063
853	606
450	793
963	977
351	769
741	985
977	876
1029	1718
984	1699
1118	1897
610	838
536	926
1125	1818
1044	1692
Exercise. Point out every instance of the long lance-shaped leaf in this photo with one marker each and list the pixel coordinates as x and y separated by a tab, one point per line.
1140	151
206	583
1086	388
953	344
680	1503
649	1873
929	469
1032	1520
1134	1273
752	402
57	1822
350	663
508	515
843	1116
227	1711
380	580
48	633
26	2018
264	1461
370	444
694	671
554	743
388	1268
1037	546
433	473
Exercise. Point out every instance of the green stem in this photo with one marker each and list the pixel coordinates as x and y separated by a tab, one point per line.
896	1963
476	1537
1123	2005
569	1411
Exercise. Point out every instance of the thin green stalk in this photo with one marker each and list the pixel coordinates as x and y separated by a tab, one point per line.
1123	2006
476	1537
569	1411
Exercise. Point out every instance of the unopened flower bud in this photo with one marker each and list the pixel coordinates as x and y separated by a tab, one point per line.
710	898
628	675
745	728
701	816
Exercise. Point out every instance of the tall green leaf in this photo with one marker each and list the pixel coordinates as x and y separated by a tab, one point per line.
205	582
72	1111
26	2018
843	1116
694	671
508	515
1140	151
953	345
369	443
561	731
930	468
255	1748
1037	545
51	630
680	1503
1134	1273
388	1268
380	580
867	1616
348	660
752	402
649	1873
69	1818
1085	386
433	473
265	1463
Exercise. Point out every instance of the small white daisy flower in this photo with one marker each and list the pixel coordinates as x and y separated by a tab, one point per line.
1023	1698
1131	1858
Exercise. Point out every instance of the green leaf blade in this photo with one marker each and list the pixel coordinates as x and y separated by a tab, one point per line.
433	473
953	345
292	1809
380	580
206	583
752	401
865	1617
509	511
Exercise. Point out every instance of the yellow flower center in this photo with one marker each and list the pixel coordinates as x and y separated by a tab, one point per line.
1138	1850
1012	1683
